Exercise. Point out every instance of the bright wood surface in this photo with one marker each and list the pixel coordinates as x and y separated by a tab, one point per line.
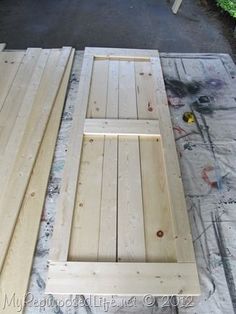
140	54
85	228
131	279
12	191
108	213
10	150
66	202
126	196
9	65
179	217
2	46
17	267
15	96
176	6
121	127
130	238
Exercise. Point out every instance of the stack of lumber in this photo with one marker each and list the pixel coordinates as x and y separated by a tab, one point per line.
33	86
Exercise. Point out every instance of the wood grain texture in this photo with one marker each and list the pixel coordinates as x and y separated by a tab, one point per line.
130	238
108	214
121	127
127	196
85	228
9	65
84	243
17	267
158	234
11	149
13	101
66	201
182	236
142	54
128	279
16	183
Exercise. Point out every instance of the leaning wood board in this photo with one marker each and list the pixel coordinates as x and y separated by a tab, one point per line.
121	224
2	46
27	103
16	270
176	6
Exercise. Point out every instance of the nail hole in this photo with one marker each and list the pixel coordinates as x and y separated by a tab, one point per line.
160	233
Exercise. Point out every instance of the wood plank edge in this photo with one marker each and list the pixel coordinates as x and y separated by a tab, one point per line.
122	127
120	53
176	6
66	198
2	46
106	278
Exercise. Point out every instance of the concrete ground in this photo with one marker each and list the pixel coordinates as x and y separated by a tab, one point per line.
119	23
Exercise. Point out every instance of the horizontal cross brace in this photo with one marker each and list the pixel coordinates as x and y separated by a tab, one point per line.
106	278
122	127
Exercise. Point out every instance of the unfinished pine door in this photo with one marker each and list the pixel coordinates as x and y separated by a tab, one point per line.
122	225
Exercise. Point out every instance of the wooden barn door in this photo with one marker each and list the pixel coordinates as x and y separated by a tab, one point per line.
122	225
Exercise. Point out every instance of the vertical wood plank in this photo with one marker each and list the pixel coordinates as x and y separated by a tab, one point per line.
66	201
113	90
157	219
16	95
131	242
84	243
182	236
146	100
98	92
9	65
108	218
9	155
127	93
85	227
